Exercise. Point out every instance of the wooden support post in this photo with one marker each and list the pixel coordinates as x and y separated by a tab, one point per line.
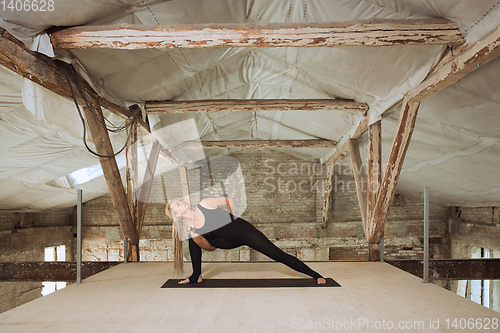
374	178
132	183
111	174
330	178
392	170
374	168
359	177
373	252
147	184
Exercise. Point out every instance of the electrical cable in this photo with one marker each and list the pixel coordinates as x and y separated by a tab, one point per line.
116	129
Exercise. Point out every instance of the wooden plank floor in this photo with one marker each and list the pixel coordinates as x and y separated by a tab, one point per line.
128	298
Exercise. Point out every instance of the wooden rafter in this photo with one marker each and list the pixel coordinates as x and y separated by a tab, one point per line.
452	69
374	169
146	185
330	178
111	172
252	105
343	148
312	143
47	72
456	63
392	171
355	33
359	177
132	185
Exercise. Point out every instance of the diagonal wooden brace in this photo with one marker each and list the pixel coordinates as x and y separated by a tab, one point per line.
392	171
111	173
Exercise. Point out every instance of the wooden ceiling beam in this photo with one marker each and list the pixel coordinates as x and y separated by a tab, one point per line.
252	105
452	69
312	143
377	32
48	73
343	145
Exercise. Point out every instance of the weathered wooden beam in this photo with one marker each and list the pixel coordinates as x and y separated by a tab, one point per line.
359	178
252	105
455	64
452	269
374	169
374	179
327	200
111	172
452	69
392	171
355	33
343	149
147	185
312	143
132	187
50	271
49	74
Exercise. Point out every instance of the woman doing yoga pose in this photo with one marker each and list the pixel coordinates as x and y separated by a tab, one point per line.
212	227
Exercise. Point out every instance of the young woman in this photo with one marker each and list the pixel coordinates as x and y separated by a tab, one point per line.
212	227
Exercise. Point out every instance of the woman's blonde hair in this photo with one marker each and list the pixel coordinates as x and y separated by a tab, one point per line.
178	233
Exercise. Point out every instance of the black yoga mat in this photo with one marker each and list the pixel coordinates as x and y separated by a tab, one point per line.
251	283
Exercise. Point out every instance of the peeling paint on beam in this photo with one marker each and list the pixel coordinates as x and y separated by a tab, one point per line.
255	105
468	59
50	271
355	33
452	269
314	143
47	73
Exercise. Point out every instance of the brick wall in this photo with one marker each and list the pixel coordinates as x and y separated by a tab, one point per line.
23	237
283	199
478	227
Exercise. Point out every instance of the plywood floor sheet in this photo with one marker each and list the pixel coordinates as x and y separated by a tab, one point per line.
374	297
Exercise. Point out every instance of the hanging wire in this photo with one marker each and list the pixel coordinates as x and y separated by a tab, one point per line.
113	128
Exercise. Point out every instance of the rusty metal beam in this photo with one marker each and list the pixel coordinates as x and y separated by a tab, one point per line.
50	271
452	269
377	32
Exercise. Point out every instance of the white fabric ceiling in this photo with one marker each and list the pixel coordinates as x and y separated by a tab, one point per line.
454	148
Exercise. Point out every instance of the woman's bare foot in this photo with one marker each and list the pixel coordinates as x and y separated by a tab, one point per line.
186	281
321	281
